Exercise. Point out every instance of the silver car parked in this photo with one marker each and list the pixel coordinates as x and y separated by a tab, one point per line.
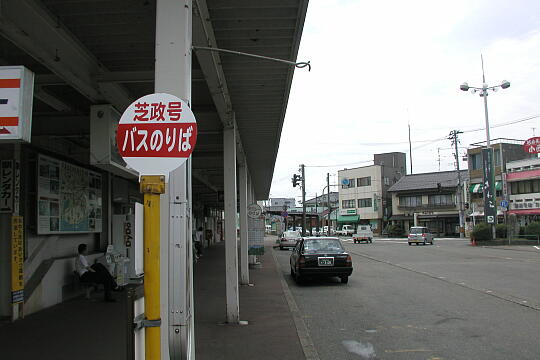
420	235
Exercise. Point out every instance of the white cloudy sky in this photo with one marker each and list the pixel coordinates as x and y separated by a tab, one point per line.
379	64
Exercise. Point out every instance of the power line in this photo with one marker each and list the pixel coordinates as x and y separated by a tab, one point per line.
338	165
426	142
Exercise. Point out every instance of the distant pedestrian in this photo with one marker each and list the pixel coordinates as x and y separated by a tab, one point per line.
199	241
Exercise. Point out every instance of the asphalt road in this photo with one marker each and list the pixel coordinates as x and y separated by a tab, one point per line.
446	301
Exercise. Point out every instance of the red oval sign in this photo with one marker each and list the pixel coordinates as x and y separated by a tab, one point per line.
532	145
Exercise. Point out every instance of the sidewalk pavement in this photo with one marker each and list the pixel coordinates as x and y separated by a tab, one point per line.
94	330
271	333
78	329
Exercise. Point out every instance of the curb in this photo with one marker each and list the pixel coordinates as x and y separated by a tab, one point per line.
301	329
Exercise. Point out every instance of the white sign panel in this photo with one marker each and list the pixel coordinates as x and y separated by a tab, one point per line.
16	96
256	231
156	134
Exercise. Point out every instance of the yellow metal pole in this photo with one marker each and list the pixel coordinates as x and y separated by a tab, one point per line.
152	186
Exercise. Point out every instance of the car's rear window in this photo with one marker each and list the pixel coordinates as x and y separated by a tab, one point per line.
321	245
291	234
418	230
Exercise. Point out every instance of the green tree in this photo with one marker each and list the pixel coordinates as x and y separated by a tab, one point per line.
482	232
533	229
501	230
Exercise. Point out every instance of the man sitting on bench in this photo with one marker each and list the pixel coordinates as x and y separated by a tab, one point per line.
96	273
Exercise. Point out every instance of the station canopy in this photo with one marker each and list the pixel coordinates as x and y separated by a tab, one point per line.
87	52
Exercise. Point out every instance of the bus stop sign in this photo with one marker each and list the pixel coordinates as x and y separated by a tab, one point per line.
156	134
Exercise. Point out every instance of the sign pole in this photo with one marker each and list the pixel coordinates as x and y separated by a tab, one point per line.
303	200
329	206
152	186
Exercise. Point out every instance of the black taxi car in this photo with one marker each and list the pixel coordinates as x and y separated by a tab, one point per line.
320	256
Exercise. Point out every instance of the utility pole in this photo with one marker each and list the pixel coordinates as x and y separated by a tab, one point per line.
302	169
329	206
317	210
454	139
410	147
439	157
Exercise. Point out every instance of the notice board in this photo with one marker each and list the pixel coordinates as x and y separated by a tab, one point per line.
256	235
69	198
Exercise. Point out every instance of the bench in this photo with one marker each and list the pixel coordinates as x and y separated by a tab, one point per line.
88	286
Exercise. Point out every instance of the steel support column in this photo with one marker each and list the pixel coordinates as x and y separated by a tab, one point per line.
173	76
231	245
250	200
243	190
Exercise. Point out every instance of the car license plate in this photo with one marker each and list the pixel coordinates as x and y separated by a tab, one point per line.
326	261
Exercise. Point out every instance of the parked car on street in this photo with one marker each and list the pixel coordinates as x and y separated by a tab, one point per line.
420	235
363	233
320	256
289	238
346	230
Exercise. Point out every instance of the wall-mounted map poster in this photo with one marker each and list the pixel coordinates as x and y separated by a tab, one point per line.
69	198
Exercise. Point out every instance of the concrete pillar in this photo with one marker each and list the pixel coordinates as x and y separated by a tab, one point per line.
173	76
243	190
231	247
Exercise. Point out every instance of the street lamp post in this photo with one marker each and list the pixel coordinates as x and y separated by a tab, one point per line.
489	173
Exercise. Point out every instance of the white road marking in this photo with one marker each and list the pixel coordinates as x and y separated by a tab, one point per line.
536	247
364	350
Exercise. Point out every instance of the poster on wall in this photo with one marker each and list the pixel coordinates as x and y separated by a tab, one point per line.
69	198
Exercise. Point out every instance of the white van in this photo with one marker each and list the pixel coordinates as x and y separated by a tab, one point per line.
363	233
346	230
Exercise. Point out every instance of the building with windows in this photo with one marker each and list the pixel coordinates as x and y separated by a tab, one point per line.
363	191
504	151
322	200
523	177
432	198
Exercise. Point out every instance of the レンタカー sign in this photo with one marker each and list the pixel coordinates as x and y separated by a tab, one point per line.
16	96
17	275
7	186
156	134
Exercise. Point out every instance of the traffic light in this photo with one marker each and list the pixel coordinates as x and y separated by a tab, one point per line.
466	205
295	180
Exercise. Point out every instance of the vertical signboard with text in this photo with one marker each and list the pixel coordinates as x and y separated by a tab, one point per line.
256	229
490	207
7	186
17	259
